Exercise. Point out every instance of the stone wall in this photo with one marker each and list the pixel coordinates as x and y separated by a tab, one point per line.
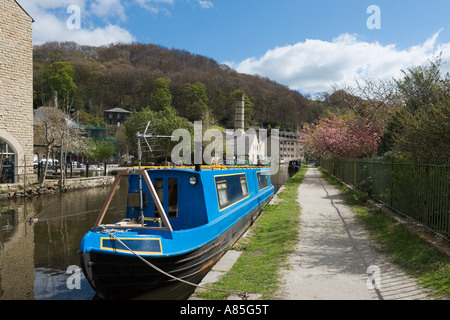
16	83
17	190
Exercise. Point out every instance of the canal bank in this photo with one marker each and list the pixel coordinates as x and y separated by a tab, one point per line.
225	264
95	179
251	265
17	190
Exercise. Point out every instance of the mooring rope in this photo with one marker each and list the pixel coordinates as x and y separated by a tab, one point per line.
35	219
243	295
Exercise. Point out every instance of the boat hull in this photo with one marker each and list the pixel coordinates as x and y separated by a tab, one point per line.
124	276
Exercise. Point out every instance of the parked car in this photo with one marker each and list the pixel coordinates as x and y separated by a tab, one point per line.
52	163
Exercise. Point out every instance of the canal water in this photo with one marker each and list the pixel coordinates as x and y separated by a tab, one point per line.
38	258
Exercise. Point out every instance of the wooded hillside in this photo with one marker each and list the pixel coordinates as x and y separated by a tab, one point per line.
123	75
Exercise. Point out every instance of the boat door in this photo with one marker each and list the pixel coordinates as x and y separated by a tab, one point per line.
168	190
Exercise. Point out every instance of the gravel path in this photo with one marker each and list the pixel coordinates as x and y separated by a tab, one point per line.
335	259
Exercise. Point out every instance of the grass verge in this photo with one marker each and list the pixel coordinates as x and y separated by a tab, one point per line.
273	237
408	250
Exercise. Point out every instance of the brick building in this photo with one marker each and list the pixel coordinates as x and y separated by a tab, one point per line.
16	91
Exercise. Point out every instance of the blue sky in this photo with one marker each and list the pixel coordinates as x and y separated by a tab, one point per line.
306	45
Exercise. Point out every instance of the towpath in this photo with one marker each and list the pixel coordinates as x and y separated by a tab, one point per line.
335	259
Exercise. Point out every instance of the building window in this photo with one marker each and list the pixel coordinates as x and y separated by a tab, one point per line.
7	162
222	191
244	186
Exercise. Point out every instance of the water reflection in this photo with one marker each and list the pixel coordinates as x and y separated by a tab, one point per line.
281	177
34	257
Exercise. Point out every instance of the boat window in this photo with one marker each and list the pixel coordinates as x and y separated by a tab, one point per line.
173	197
244	186
159	188
263	181
222	191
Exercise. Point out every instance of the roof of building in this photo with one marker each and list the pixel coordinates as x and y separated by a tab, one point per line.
39	116
32	20
118	110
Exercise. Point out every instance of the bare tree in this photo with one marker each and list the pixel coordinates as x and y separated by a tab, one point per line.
47	122
53	129
369	100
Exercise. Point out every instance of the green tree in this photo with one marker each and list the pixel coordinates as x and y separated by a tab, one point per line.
60	79
420	130
88	119
162	123
136	123
168	122
160	98
101	150
192	101
422	86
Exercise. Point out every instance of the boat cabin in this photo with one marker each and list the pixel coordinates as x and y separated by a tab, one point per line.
189	198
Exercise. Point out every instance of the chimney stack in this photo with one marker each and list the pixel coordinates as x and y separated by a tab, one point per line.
54	101
239	113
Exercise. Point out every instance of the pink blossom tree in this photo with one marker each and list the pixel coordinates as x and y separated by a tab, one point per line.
341	138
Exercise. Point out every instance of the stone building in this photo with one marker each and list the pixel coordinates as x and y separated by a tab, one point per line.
290	146
16	92
116	116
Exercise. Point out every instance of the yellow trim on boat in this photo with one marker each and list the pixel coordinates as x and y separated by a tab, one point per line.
127	251
217	192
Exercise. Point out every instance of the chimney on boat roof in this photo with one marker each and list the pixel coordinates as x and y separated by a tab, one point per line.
239	113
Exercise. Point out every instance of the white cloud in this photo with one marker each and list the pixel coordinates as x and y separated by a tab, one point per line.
156	6
315	65
206	4
108	8
51	16
165	6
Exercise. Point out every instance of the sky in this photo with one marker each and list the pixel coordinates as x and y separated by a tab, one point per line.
308	46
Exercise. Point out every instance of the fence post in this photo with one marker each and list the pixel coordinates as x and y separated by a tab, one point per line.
24	175
392	183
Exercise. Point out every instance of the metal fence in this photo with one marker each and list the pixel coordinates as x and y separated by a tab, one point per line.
11	173
417	190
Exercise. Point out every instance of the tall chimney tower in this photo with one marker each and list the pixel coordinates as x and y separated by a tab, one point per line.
239	113
54	100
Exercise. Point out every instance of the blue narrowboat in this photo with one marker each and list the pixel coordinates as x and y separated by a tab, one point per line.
179	220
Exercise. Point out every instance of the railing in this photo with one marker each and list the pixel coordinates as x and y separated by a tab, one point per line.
417	190
11	173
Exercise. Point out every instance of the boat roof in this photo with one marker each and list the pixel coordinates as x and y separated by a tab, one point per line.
203	167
